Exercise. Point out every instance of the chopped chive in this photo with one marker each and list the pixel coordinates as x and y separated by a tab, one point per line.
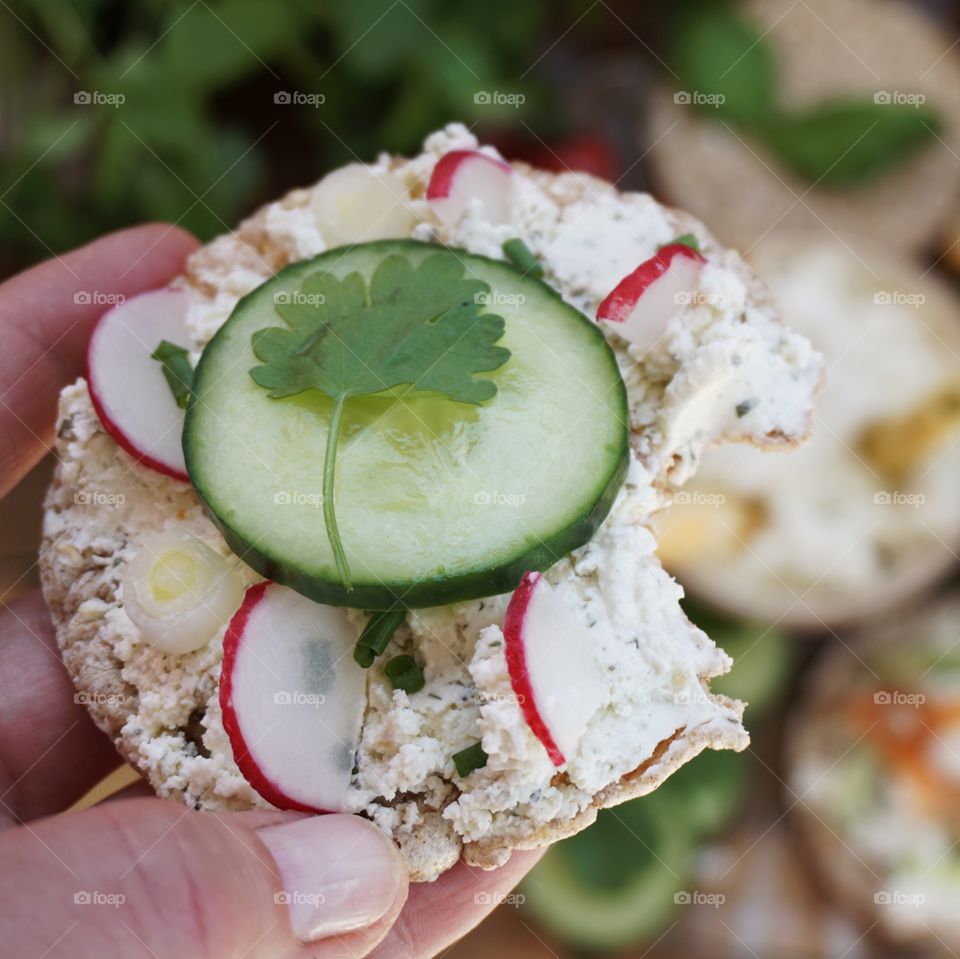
404	673
376	635
518	253
177	370
686	239
743	408
473	757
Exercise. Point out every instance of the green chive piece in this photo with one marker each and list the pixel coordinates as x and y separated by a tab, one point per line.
473	757
744	408
376	635
404	673
518	253
177	370
687	239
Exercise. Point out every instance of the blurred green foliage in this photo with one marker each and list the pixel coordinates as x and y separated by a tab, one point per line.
182	122
719	54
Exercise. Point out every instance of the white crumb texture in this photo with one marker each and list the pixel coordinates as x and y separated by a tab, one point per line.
722	350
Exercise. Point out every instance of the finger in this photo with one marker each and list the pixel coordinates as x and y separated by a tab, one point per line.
437	914
51	753
148	878
46	314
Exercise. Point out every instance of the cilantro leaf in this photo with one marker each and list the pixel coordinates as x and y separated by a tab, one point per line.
418	327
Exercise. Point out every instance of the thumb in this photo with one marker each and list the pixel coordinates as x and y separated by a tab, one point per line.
148	878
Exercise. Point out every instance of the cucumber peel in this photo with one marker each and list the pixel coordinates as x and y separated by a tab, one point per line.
438	500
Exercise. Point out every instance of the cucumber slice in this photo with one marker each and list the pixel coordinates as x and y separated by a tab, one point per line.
614	883
437	501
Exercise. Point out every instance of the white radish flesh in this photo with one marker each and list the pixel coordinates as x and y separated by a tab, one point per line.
127	386
293	698
462	178
553	667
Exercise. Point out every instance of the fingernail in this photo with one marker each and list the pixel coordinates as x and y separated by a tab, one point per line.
339	873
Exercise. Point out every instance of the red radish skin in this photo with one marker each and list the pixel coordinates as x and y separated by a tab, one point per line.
464	176
517	664
622	300
231	724
296	752
117	435
445	172
109	423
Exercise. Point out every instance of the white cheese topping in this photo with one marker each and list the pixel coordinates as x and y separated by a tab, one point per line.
835	526
721	349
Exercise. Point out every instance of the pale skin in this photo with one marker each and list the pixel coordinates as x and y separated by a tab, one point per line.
193	884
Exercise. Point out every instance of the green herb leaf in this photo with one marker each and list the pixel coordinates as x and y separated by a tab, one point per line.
418	327
473	757
847	142
177	370
685	239
404	673
723	64
518	253
376	636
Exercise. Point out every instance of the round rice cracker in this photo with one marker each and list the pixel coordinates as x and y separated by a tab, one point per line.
185	754
823	50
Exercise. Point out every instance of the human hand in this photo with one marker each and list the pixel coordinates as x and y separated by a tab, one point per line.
145	877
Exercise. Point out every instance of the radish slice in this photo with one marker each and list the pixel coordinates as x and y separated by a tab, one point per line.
355	204
643	302
462	177
179	592
553	670
127	386
293	698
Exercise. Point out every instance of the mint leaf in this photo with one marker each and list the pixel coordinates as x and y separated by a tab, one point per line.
846	142
177	370
723	64
418	327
